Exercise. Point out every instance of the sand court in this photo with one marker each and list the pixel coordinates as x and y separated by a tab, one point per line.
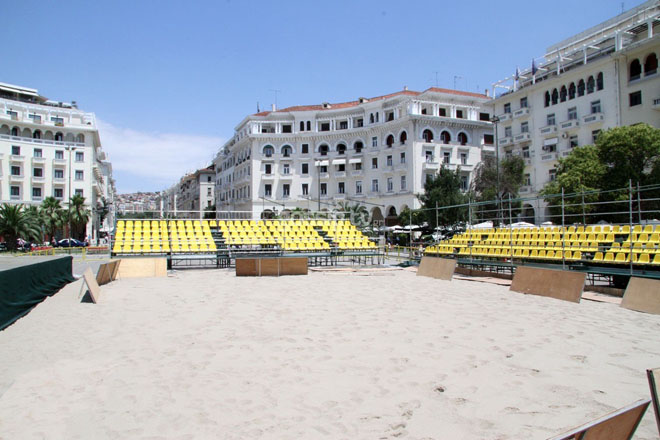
379	354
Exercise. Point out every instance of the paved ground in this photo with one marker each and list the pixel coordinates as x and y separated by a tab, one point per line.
79	263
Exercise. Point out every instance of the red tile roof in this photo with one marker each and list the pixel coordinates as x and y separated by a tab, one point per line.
340	105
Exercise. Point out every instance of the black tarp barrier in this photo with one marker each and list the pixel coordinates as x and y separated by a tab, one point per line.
24	287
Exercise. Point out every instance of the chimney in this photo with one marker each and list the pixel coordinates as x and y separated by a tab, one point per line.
405	88
487	93
273	107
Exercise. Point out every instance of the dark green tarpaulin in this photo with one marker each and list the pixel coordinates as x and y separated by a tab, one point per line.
24	287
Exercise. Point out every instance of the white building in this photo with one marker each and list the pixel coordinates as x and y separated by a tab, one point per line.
377	152
192	195
50	148
603	77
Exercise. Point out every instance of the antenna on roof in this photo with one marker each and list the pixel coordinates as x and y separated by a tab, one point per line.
623	8
258	107
276	92
436	78
456	78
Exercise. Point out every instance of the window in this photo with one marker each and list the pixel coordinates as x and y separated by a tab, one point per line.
524	127
59	154
389	116
403	158
591	84
80	156
38	152
341	167
374	185
525	152
547	99
285	190
551	148
358	187
650	65
635	98
269	151
389	161
580	88
635	70
442	112
507	131
359	122
599	81
58	193
36	193
305	189
305	168
489	139
507	107
357	166
208	191
459	114
371	118
341	149
462	138
325	126
376	117
58	174
446	156
324	189
595	107
15	191
302	125
594	136
374	141
268	190
341	188
403	183
324	169
15	150
12	114
527	179
464	157
374	163
15	171
572	113
304	148
268	169
286	168
35	118
445	137
343	125
563	93
286	151
309	125
555	96
208	178
38	172
550	119
78	192
390	184
286	128
573	141
428	155
323	150
427	135
464	183
484	117
389	141
59	136
403	137
571	91
523	102
552	174
358	147
79	175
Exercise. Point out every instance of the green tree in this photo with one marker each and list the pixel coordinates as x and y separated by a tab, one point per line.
53	215
484	183
580	173
444	189
355	212
78	216
209	212
17	222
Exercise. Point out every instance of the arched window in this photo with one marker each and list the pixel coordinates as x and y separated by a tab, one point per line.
403	137
80	138
268	150
427	135
341	149
650	64
358	146
371	118
59	136
14	131
302	125
555	96
323	150
571	91
286	151
581	88
599	81
563	93
309	126
445	137
547	99
36	134
591	84
462	138
635	70
389	141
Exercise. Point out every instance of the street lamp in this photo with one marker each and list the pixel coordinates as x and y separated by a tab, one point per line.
495	119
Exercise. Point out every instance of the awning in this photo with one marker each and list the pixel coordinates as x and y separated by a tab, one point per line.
358	160
321	163
551	141
339	162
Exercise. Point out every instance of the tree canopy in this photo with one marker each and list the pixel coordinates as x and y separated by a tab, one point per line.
484	183
443	190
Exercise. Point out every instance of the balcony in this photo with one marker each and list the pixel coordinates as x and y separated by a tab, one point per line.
525	189
430	165
593	118
286	176
38	179
324	175
570	124
38	160
506	141
16	178
340	174
548	130
357	172
549	157
520	113
522	137
16	158
267	177
505	117
61	162
59	181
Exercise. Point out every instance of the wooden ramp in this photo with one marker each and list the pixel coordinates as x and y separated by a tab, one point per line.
438	268
142	267
559	284
107	272
642	295
618	425
92	286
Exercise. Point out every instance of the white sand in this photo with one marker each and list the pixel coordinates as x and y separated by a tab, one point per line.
203	354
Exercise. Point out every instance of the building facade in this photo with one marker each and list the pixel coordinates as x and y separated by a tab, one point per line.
50	148
192	195
601	78
377	152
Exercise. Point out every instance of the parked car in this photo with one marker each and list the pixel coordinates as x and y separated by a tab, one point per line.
70	242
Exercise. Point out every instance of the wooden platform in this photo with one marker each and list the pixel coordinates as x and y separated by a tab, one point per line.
260	267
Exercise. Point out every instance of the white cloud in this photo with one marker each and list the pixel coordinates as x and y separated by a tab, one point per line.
143	161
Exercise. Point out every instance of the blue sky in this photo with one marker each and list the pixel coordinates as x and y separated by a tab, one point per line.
169	81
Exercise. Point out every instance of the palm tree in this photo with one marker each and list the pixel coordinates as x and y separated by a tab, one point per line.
78	215
17	222
356	213
53	215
